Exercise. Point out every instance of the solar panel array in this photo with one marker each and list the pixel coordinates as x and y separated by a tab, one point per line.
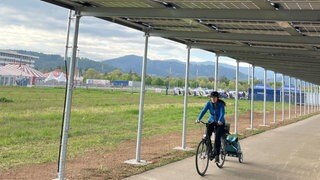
262	38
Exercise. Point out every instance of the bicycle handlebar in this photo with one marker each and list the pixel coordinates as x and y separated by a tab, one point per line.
203	122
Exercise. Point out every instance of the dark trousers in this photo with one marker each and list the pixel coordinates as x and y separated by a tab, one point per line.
218	130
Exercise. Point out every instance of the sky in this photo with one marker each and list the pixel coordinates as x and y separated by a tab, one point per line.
39	26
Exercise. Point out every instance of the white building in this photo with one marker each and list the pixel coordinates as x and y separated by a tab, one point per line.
7	57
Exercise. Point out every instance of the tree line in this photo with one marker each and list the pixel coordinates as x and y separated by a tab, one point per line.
204	82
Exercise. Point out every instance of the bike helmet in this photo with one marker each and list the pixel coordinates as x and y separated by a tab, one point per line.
214	94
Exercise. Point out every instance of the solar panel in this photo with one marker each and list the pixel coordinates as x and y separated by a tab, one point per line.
115	3
216	4
241	28
251	27
298	4
307	28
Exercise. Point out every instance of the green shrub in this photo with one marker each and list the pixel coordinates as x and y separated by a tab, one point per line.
5	100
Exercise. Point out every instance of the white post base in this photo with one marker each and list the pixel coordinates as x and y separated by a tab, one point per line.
251	129
183	149
262	125
135	162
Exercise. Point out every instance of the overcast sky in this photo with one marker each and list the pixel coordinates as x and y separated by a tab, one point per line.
38	26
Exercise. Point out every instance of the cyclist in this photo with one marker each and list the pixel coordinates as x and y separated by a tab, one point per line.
216	122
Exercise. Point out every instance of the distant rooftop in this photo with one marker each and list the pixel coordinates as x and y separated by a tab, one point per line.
9	56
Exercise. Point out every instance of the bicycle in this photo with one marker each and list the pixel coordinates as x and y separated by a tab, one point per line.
203	155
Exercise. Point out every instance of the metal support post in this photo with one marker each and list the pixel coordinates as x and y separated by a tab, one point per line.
300	96
138	160
289	97
312	98
68	102
252	98
248	74
216	73
318	98
185	109
274	97
295	97
236	98
308	98
66	64
282	97
264	97
304	98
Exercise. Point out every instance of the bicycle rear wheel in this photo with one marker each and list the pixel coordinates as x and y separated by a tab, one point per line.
222	153
202	158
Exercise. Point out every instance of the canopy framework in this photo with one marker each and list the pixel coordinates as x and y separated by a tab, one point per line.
268	34
278	35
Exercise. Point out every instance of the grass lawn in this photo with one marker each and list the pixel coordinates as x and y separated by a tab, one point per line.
100	119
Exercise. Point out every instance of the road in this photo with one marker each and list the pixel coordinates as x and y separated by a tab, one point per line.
290	152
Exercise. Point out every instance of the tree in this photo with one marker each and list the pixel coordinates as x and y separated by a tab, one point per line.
257	81
193	83
135	77
231	85
225	80
180	82
126	77
157	82
116	74
148	80
222	85
92	74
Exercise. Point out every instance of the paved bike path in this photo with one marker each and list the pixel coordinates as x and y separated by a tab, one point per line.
290	152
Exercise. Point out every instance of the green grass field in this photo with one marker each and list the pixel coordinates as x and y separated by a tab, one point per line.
100	119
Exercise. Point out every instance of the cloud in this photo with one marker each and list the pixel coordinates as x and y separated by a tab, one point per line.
42	27
33	14
39	26
20	37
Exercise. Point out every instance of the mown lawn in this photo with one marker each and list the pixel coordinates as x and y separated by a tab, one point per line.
100	119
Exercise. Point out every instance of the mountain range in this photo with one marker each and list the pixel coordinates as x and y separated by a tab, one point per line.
133	63
171	67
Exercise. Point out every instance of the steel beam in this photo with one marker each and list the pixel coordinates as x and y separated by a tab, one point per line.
200	13
194	35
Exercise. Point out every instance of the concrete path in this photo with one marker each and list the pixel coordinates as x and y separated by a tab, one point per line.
289	152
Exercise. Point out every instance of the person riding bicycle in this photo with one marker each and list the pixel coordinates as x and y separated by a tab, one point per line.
216	122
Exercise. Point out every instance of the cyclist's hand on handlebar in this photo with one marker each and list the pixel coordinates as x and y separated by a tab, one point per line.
197	121
220	123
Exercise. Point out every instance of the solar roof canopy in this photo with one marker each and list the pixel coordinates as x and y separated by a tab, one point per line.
279	35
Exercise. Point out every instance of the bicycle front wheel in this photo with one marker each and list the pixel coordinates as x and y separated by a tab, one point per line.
202	158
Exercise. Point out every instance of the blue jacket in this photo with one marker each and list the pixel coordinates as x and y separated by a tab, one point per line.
216	112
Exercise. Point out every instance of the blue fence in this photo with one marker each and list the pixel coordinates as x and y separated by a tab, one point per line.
259	93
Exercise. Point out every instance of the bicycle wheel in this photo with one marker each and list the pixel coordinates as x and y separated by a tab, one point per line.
202	158
222	154
240	154
241	158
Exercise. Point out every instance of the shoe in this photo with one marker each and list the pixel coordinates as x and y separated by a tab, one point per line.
217	159
212	156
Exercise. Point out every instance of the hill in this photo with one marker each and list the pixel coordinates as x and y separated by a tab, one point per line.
171	67
133	63
49	62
